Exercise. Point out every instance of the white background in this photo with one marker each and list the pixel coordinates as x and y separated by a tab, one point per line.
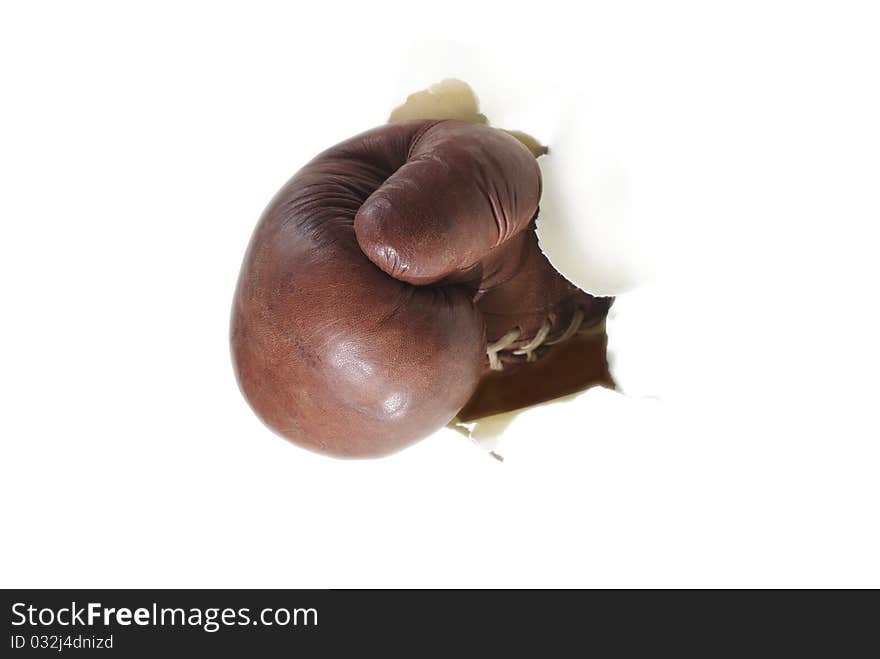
138	147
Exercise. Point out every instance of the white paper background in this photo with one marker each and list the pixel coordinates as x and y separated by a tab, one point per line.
139	145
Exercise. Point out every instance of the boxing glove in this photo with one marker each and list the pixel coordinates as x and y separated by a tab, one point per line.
388	278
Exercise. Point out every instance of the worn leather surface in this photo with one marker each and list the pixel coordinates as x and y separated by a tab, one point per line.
378	273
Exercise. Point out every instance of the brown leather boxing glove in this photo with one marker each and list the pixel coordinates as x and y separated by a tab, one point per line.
389	278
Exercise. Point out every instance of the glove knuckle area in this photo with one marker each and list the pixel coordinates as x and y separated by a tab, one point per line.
360	371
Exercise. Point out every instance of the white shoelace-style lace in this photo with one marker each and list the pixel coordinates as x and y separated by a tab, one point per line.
540	339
